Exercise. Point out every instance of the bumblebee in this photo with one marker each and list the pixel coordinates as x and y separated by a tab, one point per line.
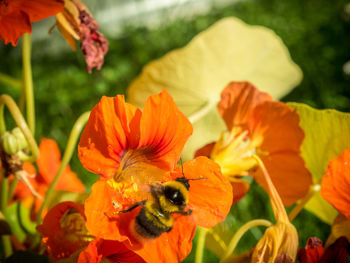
155	217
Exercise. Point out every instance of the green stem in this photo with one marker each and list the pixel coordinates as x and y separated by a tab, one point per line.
200	245
21	123
296	210
2	119
241	231
3	204
28	80
72	140
8	80
12	187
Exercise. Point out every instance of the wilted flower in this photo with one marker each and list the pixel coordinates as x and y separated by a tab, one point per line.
77	23
280	241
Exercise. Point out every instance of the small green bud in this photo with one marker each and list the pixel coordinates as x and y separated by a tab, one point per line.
9	143
21	140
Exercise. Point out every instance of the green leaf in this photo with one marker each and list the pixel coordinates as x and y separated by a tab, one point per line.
327	135
230	50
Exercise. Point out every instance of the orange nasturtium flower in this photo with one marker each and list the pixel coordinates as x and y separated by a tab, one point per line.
17	16
75	22
335	187
48	165
132	150
257	125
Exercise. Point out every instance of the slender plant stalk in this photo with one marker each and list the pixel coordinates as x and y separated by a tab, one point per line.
4	193
72	141
21	123
200	245
296	210
28	80
241	231
8	80
2	119
12	188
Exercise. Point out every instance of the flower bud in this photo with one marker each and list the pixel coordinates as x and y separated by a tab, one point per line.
21	140
9	143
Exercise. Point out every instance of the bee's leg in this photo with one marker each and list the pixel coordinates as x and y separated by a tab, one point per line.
185	213
132	207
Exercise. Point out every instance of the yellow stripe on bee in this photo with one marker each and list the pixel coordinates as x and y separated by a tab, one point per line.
153	214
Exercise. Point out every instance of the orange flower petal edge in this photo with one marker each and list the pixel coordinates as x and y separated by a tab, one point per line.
16	16
63	230
336	183
118	130
238	99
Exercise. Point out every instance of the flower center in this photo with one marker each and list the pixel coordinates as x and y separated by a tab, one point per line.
234	152
73	224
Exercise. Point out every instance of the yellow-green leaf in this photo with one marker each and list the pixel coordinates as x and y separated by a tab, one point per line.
230	50
327	135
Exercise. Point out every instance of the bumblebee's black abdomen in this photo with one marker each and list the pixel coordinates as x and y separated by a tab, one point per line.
149	227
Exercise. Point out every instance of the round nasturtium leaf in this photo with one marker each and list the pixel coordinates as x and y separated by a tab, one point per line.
327	135
195	75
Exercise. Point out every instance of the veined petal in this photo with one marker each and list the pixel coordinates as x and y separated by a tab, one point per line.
38	9
210	198
336	183
289	175
13	25
173	246
163	131
238	100
113	128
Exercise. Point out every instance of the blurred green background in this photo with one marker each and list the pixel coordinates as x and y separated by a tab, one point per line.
317	33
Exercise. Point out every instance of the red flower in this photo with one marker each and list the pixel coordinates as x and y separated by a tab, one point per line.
269	129
313	251
16	16
132	150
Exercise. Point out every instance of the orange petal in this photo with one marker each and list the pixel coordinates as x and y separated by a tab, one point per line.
102	218
69	181
113	128
278	125
48	161
210	198
239	189
164	131
13	25
277	128
205	150
38	9
336	183
238	100
289	175
173	246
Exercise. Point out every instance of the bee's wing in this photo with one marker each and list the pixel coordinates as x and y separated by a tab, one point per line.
141	176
